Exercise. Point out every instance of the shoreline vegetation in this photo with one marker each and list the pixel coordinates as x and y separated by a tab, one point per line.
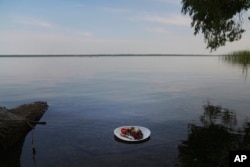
238	57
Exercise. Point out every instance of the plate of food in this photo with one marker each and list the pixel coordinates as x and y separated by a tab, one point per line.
132	133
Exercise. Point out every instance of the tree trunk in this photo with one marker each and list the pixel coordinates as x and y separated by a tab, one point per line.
16	123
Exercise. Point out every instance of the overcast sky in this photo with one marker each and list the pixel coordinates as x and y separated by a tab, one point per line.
101	27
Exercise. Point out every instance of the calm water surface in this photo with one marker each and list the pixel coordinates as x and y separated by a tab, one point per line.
89	97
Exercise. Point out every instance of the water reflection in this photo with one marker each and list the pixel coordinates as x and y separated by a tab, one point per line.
208	144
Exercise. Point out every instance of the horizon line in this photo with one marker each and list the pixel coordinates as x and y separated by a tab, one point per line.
97	55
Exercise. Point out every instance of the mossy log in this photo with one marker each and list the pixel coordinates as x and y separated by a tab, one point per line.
16	123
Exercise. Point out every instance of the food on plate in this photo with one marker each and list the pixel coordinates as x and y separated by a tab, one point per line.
124	131
136	133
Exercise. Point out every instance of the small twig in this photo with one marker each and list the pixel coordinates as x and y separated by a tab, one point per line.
32	124
32	143
33	149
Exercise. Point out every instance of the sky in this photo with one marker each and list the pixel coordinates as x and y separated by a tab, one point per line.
101	27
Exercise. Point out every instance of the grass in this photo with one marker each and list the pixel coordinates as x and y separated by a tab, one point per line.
238	57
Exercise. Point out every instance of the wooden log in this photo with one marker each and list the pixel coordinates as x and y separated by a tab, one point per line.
16	123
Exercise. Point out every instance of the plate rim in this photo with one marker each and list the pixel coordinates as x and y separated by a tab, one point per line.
131	140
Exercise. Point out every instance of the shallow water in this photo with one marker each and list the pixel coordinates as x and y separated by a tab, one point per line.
89	97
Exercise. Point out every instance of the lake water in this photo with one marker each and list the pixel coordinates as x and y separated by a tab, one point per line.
89	97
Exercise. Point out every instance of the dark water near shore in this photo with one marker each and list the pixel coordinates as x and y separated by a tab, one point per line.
89	97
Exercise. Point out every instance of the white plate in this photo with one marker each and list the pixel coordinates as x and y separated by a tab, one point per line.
145	131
